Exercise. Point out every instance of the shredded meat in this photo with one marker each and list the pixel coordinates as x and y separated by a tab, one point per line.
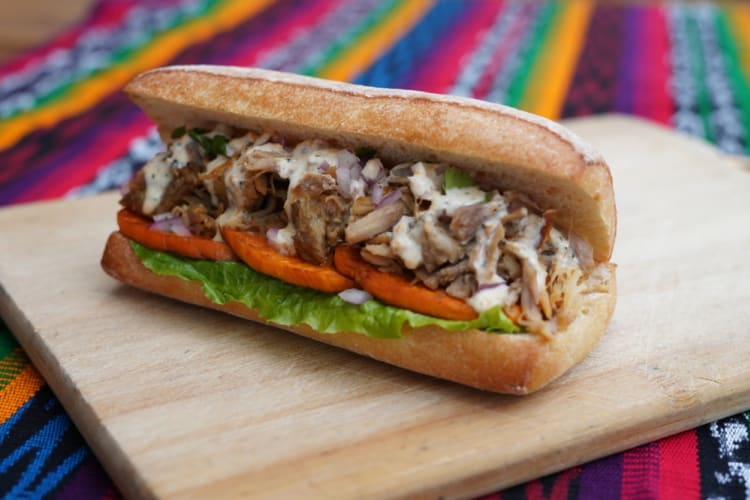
466	221
462	287
133	199
445	275
438	247
460	242
197	218
319	215
374	223
186	188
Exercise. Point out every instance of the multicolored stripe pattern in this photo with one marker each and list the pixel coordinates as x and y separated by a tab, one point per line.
66	130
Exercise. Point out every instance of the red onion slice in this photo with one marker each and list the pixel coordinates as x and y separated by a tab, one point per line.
377	193
272	233
169	223
347	170
489	286
355	296
389	198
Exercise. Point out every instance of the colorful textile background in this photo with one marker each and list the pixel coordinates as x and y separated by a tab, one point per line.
66	130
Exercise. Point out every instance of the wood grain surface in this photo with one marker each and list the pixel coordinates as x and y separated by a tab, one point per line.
178	402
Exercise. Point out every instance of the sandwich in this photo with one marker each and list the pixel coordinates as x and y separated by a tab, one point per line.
456	238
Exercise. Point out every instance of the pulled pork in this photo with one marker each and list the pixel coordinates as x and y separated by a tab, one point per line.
485	247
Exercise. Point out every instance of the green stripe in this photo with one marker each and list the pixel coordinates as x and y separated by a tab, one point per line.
542	29
372	20
7	342
121	55
740	84
703	98
11	366
12	358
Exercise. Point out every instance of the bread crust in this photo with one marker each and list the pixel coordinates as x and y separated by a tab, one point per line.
507	148
504	363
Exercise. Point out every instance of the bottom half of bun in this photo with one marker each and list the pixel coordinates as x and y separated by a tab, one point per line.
514	363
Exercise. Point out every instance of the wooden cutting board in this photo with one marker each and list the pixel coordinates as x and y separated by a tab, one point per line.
182	402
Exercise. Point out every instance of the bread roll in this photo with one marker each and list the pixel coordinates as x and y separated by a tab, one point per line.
503	147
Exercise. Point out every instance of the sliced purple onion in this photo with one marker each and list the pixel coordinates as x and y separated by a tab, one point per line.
173	224
391	197
377	193
324	167
490	286
164	216
347	170
355	296
272	233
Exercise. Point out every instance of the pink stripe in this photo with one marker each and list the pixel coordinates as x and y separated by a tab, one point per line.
300	18
651	86
454	48
679	473
640	472
103	14
512	37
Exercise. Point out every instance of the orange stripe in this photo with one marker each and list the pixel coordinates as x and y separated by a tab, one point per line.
738	17
18	392
89	92
552	74
363	53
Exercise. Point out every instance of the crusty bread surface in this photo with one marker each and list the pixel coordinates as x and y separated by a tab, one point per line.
506	148
504	363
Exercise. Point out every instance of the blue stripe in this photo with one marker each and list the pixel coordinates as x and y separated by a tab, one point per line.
394	68
8	425
54	478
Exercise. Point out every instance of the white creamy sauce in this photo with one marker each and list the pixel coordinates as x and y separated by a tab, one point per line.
490	297
455	198
491	290
420	183
405	242
292	169
357	188
158	175
373	169
179	154
283	239
233	181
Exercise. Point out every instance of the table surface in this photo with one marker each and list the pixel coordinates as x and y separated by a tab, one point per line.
662	468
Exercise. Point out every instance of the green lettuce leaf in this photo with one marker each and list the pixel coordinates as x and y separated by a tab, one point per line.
285	304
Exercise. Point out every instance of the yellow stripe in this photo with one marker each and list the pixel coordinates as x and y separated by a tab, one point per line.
15	394
89	92
363	53
738	17
550	78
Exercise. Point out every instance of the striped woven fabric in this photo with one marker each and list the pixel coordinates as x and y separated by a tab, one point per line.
684	65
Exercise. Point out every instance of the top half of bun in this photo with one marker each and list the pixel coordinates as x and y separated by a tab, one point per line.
507	148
